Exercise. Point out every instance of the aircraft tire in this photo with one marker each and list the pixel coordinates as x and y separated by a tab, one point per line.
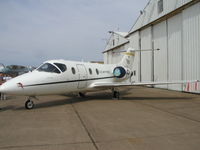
82	95
29	104
116	95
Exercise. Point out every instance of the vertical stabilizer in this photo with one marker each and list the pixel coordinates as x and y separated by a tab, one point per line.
128	58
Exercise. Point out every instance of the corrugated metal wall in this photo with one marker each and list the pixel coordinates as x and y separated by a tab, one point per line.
117	56
150	13
146	57
115	40
191	44
110	57
178	39
114	57
175	51
134	43
160	57
105	58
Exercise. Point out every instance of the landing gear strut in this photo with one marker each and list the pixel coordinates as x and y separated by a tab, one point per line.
116	94
82	95
29	104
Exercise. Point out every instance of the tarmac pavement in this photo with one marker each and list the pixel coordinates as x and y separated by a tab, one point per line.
143	119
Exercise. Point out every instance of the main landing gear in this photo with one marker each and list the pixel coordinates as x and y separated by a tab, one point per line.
115	94
82	95
29	104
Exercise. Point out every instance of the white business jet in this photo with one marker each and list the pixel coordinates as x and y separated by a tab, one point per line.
60	77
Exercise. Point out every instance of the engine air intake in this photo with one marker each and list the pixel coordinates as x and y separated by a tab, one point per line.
119	72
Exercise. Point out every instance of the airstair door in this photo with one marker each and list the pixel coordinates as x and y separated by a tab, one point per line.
82	76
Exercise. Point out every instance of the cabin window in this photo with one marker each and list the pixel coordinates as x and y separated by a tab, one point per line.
62	67
47	67
73	70
90	70
97	71
160	6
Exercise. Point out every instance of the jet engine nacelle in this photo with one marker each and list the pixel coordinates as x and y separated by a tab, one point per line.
121	72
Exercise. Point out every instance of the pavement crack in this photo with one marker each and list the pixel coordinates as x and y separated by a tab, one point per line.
41	145
85	127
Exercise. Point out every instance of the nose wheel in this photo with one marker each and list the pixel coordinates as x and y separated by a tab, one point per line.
29	104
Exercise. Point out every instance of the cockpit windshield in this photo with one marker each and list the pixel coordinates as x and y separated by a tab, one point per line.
62	67
47	67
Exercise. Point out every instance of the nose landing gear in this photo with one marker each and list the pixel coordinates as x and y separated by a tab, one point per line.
29	104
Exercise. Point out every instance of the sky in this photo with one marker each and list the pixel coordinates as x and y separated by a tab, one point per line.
33	31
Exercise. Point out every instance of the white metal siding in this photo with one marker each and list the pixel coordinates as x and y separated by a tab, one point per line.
180	3
114	56
160	57
134	43
105	58
178	39
116	39
110	42
110	57
146	57
175	50
117	56
150	12
191	44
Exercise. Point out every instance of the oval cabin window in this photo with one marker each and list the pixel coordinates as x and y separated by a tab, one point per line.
90	70
73	70
97	71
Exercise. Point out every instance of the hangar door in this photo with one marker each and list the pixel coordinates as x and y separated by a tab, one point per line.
191	45
161	56
135	43
146	57
175	51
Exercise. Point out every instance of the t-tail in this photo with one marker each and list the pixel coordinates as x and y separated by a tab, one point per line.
128	58
124	67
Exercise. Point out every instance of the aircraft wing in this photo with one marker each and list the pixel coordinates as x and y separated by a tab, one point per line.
111	85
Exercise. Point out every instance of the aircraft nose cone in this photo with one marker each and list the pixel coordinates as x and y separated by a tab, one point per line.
2	89
7	88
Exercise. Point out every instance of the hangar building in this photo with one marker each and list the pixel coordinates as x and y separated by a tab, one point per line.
173	26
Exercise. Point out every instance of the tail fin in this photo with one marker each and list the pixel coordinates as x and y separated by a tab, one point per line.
128	58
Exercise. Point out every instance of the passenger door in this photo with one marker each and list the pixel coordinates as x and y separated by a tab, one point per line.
82	76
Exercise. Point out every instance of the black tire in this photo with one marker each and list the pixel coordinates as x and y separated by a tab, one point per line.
82	95
116	95
29	104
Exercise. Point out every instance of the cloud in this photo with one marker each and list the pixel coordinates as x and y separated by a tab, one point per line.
32	31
